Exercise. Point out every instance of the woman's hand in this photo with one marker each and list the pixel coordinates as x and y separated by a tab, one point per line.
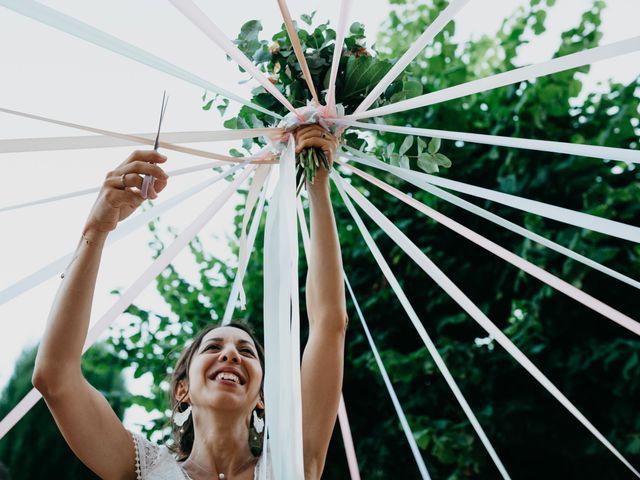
120	193
314	136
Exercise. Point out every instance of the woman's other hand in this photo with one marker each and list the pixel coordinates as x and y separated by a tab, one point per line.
120	194
314	136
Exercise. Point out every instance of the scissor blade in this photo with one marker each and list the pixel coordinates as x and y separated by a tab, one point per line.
165	100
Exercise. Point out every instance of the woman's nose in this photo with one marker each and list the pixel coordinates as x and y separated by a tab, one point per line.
229	354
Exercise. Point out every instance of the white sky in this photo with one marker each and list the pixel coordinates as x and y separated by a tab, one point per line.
46	72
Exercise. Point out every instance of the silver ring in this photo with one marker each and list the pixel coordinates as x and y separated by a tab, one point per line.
124	187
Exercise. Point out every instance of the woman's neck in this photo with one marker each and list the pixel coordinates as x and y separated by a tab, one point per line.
220	444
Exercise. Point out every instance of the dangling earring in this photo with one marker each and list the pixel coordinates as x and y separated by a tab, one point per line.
256	434
258	423
179	418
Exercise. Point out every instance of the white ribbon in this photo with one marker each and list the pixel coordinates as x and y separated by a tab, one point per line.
564	215
258	158
433	351
416	47
55	198
530	72
211	30
127	227
15	145
247	242
533	270
265	472
281	325
304	230
19	411
158	265
461	299
86	32
392	393
78	193
596	151
470	207
345	9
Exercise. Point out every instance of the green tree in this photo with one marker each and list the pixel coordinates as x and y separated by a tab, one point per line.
34	448
593	361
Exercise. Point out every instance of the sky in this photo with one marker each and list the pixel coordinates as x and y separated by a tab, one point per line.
47	72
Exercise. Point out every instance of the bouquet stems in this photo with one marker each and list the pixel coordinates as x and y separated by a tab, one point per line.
308	162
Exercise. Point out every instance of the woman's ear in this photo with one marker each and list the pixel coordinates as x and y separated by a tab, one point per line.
182	392
260	404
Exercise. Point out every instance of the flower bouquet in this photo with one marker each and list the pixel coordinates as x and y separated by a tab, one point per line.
360	69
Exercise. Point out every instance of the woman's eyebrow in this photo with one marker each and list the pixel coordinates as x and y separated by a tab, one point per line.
211	340
220	339
245	342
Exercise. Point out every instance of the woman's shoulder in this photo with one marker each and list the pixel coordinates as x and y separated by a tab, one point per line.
153	461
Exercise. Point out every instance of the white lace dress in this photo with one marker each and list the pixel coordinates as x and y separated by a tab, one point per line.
156	462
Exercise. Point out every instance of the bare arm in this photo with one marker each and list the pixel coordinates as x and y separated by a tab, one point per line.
86	420
323	358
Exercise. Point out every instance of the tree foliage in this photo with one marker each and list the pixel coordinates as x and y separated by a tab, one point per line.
593	361
34	449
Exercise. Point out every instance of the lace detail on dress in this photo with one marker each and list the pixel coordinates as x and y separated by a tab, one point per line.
156	462
146	455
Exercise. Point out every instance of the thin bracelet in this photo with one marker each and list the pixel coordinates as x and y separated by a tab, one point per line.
84	240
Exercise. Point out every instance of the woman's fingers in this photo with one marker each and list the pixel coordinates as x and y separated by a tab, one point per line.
131	173
306	133
132	180
121	192
314	129
303	134
142	168
159	184
152	191
148	156
317	142
310	142
123	181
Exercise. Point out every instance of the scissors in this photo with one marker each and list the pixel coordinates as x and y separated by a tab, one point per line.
148	179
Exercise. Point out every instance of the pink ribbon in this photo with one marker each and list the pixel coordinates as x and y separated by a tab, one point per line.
297	48
345	429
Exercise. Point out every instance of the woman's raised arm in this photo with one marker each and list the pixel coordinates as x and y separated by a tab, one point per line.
86	420
323	358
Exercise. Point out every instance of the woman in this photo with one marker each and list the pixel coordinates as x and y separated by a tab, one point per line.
218	379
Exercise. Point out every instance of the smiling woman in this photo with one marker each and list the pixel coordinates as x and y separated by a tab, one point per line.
217	397
217	404
235	342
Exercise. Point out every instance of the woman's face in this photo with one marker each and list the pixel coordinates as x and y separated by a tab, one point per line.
225	371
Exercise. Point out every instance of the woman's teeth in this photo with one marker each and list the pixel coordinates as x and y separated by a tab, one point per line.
228	376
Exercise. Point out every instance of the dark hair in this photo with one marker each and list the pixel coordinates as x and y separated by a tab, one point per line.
183	436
